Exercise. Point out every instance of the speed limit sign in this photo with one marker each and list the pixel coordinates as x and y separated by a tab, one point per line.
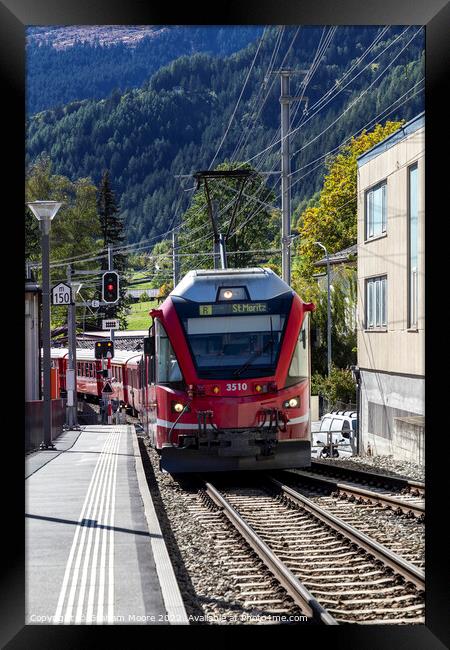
61	294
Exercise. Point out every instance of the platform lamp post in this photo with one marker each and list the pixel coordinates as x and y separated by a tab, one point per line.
45	211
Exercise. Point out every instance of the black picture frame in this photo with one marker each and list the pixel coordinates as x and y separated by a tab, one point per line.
15	15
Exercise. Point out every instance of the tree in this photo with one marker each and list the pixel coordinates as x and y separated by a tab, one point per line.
75	230
112	229
331	218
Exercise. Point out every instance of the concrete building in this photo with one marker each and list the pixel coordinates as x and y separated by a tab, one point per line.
391	310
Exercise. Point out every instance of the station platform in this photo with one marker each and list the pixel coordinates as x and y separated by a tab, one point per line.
94	552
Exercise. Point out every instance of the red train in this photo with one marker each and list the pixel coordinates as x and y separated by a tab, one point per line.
126	380
223	382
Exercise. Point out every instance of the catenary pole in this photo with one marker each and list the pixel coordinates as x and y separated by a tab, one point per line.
285	177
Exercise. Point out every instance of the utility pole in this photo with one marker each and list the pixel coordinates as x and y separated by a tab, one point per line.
285	101
176	264
71	377
110	268
285	178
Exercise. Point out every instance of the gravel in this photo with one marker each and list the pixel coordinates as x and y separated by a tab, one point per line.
199	542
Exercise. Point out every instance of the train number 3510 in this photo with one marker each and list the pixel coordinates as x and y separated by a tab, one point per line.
238	386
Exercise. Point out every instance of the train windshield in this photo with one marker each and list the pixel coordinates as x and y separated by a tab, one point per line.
241	344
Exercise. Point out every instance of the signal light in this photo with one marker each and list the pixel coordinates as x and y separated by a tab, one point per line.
110	287
103	349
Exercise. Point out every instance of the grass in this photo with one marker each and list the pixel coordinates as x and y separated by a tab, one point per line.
138	318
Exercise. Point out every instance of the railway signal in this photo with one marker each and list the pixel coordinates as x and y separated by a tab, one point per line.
104	349
110	287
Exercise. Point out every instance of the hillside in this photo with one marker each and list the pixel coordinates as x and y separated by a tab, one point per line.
173	123
90	61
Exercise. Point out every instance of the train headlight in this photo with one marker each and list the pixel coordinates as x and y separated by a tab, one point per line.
178	407
292	403
216	390
258	388
228	294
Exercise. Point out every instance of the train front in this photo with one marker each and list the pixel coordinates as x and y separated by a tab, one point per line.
229	385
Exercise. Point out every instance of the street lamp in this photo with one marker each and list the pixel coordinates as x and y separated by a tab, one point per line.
329	308
45	211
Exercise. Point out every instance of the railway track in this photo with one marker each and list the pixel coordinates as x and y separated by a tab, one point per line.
400	502
333	572
393	483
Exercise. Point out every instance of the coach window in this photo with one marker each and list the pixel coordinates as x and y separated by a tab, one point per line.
167	368
299	368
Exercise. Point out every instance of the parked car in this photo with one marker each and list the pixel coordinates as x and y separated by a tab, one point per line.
341	424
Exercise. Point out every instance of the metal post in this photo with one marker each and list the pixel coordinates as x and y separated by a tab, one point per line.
72	397
285	177
216	236
110	268
222	251
328	315
47	443
176	265
329	357
109	394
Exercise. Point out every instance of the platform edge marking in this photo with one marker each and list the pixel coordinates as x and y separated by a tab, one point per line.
168	583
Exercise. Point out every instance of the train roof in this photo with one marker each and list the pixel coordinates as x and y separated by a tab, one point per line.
203	285
120	356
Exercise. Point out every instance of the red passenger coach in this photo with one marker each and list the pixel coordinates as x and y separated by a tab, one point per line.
227	374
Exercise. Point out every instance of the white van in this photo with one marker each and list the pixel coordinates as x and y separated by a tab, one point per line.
341	424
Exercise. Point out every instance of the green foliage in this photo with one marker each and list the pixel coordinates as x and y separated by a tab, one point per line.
339	386
343	329
113	233
332	218
159	265
138	318
174	123
92	71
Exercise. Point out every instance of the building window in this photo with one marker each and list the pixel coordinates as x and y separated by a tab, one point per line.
376	303
413	230
376	210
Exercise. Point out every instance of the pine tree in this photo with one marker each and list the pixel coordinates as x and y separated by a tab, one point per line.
113	234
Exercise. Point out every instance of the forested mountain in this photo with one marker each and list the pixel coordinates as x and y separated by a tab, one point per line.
173	124
89	62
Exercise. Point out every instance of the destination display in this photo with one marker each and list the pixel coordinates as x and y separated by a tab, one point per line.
234	308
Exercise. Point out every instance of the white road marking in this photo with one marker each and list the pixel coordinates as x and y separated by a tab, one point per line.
98	509
76	571
77	532
95	517
92	582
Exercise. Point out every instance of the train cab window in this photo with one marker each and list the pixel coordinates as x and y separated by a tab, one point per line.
167	367
299	368
120	374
